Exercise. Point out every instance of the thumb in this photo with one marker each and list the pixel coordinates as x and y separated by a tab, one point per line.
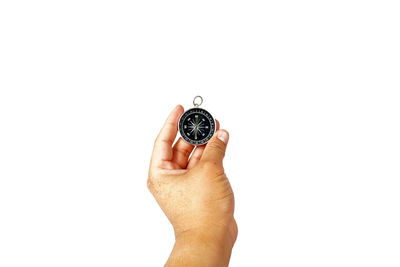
215	148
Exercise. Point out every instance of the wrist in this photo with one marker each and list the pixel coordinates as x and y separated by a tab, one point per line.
202	247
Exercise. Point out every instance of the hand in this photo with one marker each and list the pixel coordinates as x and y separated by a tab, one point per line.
195	195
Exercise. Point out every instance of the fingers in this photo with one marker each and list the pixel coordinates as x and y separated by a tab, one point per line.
163	145
198	152
215	148
196	156
216	125
181	152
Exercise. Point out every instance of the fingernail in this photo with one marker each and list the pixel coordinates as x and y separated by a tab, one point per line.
223	136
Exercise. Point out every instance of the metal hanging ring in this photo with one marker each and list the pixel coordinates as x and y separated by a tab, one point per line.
200	99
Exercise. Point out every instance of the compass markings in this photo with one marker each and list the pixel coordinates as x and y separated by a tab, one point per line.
197	126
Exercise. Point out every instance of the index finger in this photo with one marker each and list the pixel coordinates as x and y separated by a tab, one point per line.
163	145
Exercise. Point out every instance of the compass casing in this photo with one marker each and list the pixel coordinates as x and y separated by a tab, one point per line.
196	126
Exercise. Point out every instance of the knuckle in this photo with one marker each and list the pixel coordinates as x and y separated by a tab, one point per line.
220	174
212	167
170	124
217	147
150	184
184	152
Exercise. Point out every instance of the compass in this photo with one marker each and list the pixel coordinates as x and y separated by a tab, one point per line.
196	125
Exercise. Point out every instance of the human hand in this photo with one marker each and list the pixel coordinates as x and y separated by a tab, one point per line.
195	195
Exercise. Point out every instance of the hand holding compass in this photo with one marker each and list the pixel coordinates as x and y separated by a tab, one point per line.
192	189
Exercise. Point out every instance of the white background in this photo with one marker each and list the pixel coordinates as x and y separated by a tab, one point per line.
309	91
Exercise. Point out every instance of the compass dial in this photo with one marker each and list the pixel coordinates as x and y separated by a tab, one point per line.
196	126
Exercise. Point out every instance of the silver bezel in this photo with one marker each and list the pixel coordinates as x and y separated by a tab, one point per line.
179	128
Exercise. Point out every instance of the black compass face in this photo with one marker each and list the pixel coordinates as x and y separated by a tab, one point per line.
196	126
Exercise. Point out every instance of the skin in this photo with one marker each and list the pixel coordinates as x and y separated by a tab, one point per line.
195	195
